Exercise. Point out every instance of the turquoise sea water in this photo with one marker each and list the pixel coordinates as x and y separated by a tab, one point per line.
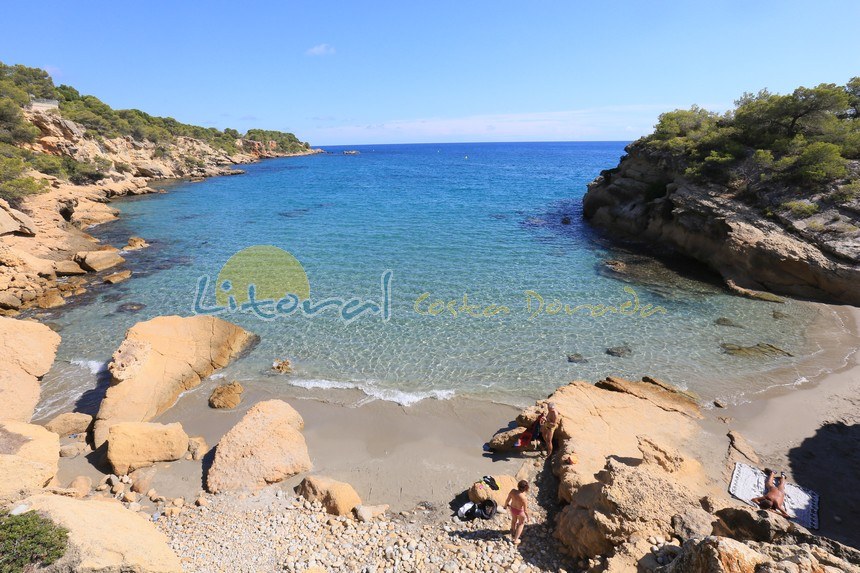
482	220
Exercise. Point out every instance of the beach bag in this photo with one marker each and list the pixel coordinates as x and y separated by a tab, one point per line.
486	509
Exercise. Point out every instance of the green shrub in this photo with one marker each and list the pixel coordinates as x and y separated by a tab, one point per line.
820	162
846	193
123	167
81	173
48	164
801	208
28	540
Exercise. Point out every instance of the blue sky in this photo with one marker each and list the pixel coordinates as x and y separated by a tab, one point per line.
396	72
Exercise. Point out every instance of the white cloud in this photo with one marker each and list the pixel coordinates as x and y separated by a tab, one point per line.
320	50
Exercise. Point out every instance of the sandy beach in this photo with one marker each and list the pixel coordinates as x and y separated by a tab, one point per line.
434	450
812	431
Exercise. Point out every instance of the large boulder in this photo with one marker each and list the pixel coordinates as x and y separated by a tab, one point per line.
626	500
132	445
27	351
226	395
97	261
338	498
29	455
161	358
105	537
266	446
69	423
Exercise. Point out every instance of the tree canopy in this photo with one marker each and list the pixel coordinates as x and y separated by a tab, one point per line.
805	137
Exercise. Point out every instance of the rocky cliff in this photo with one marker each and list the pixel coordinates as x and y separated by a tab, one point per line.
741	235
46	256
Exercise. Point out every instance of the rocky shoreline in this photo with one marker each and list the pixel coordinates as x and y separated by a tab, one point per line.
647	200
46	255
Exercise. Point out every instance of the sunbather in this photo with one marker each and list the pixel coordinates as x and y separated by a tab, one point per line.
774	497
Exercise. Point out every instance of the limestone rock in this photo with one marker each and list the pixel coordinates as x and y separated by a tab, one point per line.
197	447
739	443
73	449
135	243
161	358
69	423
104	537
28	458
693	522
648	198
118	277
226	395
81	486
97	261
13	221
27	351
506	440
133	445
282	366
141	479
656	391
338	498
366	513
716	555
625	500
480	491
266	446
68	269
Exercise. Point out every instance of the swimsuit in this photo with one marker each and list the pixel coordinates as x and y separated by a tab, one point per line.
515	511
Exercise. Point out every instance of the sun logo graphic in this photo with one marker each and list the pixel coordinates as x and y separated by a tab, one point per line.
271	283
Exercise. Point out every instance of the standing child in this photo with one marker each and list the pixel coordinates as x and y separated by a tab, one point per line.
518	504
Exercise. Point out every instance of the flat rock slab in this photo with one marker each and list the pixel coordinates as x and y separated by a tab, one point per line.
105	537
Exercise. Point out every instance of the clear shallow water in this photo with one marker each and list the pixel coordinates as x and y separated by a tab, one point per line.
482	220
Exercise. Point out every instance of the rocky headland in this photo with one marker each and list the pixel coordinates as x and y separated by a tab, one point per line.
648	200
46	255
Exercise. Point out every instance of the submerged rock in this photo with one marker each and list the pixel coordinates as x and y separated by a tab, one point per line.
760	350
723	321
619	351
576	358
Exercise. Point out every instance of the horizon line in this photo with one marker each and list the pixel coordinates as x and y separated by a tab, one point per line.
321	145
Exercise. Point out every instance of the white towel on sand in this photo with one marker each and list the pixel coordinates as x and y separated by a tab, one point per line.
749	482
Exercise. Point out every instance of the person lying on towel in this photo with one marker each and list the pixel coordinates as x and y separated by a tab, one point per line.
774	497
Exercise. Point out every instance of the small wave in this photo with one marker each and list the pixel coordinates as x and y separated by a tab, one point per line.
399	396
94	366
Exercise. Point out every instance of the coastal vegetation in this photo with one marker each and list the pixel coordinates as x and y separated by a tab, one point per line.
21	84
28	540
805	139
